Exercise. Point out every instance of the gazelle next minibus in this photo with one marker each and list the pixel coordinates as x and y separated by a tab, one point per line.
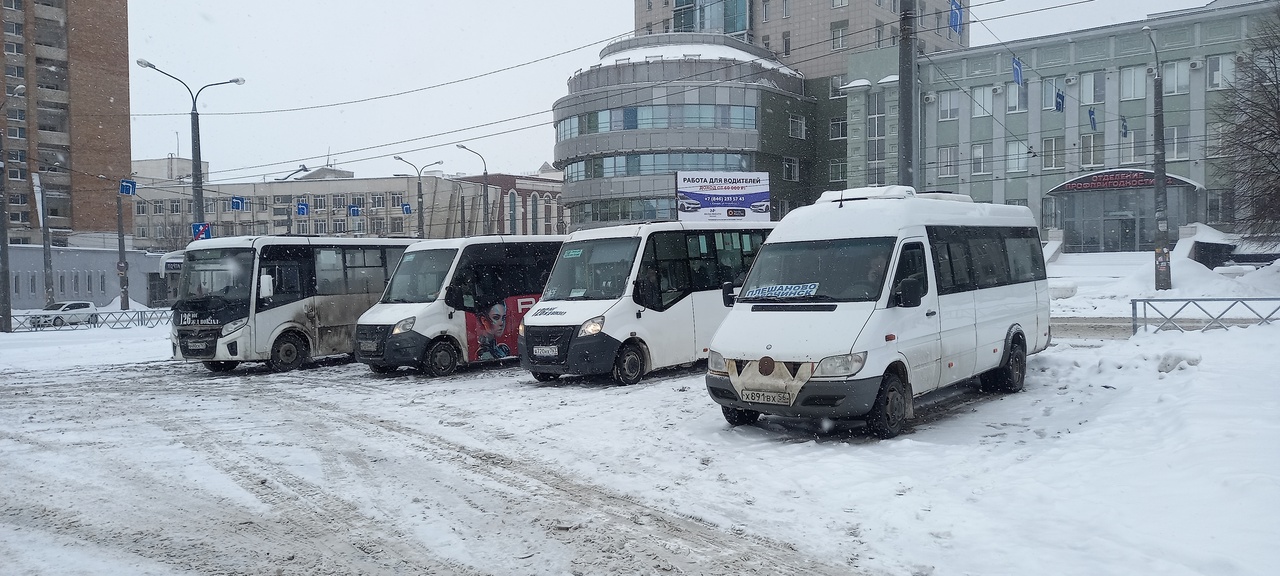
626	300
455	301
870	298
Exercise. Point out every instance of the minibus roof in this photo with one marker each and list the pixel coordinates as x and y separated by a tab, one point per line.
630	230
863	213
438	243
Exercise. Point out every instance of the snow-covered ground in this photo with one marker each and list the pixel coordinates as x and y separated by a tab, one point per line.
1151	455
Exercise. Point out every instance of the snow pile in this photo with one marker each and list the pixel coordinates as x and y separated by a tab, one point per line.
1109	297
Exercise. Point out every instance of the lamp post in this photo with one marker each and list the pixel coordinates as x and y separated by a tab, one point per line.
484	196
288	223
6	271
1164	275
197	174
421	226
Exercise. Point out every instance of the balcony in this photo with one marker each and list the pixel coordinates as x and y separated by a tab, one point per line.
50	12
54	138
50	52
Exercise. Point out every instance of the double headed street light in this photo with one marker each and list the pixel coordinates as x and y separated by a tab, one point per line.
1164	276
418	171
6	271
288	223
197	175
484	197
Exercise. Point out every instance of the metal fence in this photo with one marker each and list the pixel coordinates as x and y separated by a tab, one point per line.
100	319
1202	314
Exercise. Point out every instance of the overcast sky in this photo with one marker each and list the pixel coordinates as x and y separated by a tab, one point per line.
323	55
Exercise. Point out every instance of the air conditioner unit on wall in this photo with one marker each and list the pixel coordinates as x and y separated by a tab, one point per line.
1196	64
930	98
1242	57
1071	80
1151	70
997	89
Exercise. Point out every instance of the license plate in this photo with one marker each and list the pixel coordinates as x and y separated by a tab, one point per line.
197	345
546	350
368	345
761	397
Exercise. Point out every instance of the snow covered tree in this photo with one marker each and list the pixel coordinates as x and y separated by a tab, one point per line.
1249	120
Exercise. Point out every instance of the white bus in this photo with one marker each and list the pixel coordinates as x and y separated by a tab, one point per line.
276	299
455	301
625	300
870	298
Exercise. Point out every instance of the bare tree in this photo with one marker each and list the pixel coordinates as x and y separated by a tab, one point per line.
1250	137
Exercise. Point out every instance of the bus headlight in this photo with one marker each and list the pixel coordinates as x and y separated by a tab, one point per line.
234	325
402	326
841	366
716	364
521	328
591	327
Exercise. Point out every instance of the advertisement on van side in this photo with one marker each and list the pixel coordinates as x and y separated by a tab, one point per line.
491	331
722	196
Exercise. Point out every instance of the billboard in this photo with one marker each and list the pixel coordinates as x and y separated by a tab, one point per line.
722	196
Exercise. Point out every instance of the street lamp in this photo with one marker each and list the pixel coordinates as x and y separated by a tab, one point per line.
484	197
1164	276
288	223
197	174
418	171
6	292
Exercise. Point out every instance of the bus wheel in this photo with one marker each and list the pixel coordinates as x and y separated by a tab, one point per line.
380	369
441	358
545	377
1012	375
889	413
287	354
221	365
628	367
738	416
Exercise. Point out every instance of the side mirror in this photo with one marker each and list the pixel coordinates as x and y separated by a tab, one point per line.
726	292
453	297
266	286
909	293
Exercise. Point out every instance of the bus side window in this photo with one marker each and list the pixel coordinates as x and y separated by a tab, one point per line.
330	279
911	265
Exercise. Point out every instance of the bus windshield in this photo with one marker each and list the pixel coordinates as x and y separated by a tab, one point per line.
419	276
592	269
840	270
225	273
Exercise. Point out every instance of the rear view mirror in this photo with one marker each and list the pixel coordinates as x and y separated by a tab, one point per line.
266	286
726	292
909	293
453	297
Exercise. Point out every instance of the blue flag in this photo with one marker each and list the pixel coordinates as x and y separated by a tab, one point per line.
1017	71
1124	127
1093	121
1059	101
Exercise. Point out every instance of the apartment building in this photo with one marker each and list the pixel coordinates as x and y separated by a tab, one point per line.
66	120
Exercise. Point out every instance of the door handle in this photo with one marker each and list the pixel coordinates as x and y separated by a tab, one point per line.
931	313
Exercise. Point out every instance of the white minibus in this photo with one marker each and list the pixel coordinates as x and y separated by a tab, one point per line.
863	302
308	293
454	302
626	300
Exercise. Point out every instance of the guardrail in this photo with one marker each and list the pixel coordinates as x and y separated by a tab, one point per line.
1203	314
100	319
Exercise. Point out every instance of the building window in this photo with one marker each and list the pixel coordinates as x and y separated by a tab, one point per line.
764	10
339	225
18	132
948	104
790	169
322	227
14	4
839	3
1092	150
13	28
1015	97
512	206
879	34
839	128
982	96
786	42
1052	153
13	48
1015	157
1175	142
947	157
1133	83
786	8
796	126
1093	87
1222	71
1049	88
838	32
836	82
838	170
979	158
1213	139
141	232
876	132
140	207
17	173
15	71
764	40
1177	77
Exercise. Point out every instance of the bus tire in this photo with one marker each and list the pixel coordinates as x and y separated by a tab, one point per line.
1012	375
628	366
221	365
380	369
440	359
288	353
888	416
545	376
739	416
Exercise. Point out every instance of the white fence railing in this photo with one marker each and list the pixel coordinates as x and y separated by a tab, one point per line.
100	319
1203	314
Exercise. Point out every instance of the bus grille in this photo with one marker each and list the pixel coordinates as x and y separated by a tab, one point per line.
371	340
199	343
557	336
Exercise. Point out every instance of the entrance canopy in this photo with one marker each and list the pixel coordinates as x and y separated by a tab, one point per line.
1119	179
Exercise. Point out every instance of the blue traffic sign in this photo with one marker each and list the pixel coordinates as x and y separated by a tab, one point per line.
239	203
353	210
200	230
128	187
304	208
407	209
955	18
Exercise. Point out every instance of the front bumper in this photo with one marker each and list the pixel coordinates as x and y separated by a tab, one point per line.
835	399
575	355
375	345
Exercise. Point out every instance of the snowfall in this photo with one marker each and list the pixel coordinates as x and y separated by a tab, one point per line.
1152	454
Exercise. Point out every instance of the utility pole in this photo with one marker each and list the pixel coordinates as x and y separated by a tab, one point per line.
907	94
1164	275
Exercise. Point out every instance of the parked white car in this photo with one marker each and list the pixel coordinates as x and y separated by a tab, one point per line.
60	313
